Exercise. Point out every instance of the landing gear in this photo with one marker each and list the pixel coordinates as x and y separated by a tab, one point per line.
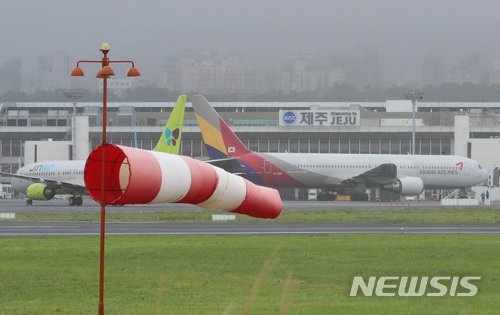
29	202
326	196
75	201
360	197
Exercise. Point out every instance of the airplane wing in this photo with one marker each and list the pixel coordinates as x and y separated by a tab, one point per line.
382	174
59	186
229	164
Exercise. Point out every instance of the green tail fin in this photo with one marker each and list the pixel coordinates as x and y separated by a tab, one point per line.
170	140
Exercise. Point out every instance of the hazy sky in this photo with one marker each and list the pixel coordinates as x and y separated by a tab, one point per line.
147	31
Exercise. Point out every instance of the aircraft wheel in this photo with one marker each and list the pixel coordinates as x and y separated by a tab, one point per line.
78	201
29	202
71	201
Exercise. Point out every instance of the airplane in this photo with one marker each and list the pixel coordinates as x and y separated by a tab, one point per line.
45	180
401	174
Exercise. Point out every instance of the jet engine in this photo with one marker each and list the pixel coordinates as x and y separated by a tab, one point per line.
406	186
40	191
136	176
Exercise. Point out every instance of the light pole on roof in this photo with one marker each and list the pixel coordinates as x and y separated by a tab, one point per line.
413	96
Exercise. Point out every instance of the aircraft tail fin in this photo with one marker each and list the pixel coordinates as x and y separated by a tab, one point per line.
170	139
219	139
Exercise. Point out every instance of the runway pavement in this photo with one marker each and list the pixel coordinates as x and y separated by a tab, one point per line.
13	228
59	205
37	228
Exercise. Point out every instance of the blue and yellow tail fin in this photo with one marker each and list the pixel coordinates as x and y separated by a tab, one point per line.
219	139
170	139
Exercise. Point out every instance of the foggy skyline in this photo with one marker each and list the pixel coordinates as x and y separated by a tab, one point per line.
403	32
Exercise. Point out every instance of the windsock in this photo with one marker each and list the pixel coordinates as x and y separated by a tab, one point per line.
136	176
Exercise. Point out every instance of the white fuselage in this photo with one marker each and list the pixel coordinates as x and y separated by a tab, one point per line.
436	171
63	171
311	170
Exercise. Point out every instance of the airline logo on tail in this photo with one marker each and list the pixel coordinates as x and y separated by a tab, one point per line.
172	136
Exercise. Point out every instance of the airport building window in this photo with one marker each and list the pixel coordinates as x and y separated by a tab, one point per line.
418	143
324	145
334	145
273	145
354	146
313	145
265	145
124	120
364	146
344	146
187	147
197	148
425	146
395	146
151	121
284	145
294	145
406	146
92	121
304	145
36	121
254	145
95	142
374	146
384	146
436	146
127	142
446	147
16	147
6	147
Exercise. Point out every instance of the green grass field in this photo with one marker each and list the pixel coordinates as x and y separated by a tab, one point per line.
241	274
470	216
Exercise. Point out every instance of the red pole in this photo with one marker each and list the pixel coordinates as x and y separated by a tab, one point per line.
105	62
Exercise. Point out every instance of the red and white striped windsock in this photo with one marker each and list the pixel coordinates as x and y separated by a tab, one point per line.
136	176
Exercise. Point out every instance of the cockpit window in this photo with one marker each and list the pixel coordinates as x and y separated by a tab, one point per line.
479	166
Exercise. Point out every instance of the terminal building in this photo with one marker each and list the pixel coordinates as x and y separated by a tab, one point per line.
469	129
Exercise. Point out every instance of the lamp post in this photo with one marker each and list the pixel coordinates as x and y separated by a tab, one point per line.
104	73
413	96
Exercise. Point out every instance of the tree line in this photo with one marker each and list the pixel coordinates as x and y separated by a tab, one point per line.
448	92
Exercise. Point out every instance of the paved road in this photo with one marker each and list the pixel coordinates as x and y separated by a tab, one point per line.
58	205
13	228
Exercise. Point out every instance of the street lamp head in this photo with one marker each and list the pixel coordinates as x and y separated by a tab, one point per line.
77	72
414	96
106	71
133	72
104	47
